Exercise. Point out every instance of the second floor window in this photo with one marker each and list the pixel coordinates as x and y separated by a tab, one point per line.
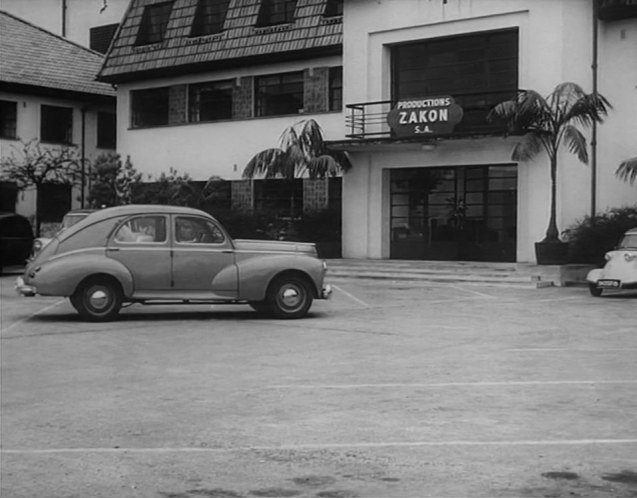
333	8
106	130
276	12
56	124
336	88
150	107
210	101
8	119
279	94
209	18
154	23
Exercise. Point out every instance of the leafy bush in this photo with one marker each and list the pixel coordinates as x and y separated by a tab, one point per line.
592	237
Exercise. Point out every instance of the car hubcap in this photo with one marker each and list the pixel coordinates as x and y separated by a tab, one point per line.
98	299
291	297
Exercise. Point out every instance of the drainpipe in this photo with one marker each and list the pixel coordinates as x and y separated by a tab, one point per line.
83	158
594	130
64	18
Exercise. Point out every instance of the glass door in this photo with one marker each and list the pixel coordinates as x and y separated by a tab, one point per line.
458	213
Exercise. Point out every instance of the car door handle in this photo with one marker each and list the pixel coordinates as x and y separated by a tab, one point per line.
112	249
227	251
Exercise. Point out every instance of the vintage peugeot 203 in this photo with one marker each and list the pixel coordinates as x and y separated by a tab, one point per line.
620	270
153	254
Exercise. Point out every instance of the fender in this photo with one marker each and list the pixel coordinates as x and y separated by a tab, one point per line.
60	275
255	274
594	275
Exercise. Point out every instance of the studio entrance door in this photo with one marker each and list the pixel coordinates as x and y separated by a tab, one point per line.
462	213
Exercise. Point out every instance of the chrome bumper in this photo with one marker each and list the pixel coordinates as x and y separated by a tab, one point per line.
24	289
326	292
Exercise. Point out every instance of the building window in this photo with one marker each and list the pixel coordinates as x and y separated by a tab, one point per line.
210	101
54	201
279	94
8	119
209	18
101	36
150	107
333	8
106	130
56	124
154	23
478	70
276	12
336	88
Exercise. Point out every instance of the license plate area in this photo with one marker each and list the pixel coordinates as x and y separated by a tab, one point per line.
608	284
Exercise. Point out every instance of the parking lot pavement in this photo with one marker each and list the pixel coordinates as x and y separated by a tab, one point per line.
390	389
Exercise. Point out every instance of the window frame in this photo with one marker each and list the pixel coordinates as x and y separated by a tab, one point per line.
154	23
210	17
106	130
56	121
8	119
333	8
335	88
276	12
149	99
269	103
198	103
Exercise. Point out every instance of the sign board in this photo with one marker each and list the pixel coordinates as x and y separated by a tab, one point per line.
429	116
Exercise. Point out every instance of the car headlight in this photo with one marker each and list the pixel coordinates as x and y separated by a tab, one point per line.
608	256
37	245
628	257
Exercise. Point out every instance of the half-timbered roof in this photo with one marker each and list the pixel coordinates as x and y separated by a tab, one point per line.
241	40
35	60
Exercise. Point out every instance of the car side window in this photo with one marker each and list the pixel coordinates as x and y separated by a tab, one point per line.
142	229
193	230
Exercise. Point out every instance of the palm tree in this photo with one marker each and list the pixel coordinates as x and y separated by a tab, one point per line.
548	122
627	170
302	152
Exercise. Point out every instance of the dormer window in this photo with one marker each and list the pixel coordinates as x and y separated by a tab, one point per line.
209	17
333	8
276	12
154	23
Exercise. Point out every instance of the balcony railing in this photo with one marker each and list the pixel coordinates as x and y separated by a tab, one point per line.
368	120
611	10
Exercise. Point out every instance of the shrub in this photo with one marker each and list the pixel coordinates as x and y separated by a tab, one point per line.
592	237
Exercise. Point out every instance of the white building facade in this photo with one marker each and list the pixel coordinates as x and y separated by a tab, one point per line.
407	198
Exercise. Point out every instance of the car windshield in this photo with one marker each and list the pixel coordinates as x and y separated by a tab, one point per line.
629	241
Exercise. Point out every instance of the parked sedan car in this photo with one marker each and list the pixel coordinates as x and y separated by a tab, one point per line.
16	238
156	254
69	219
620	270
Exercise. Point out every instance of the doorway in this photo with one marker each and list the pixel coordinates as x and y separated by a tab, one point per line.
462	213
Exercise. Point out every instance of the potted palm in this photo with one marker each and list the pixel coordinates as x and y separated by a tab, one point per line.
545	123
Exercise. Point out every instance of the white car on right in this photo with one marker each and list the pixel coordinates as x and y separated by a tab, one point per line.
620	270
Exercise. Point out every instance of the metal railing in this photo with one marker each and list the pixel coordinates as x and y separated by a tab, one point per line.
368	120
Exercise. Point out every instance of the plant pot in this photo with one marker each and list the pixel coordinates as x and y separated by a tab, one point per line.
554	252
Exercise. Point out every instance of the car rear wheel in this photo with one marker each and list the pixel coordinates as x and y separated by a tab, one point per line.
289	297
594	290
98	299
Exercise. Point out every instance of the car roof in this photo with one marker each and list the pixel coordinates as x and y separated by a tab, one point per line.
131	209
632	231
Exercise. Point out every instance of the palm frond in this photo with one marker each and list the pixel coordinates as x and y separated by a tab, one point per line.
311	139
528	147
266	163
576	143
627	170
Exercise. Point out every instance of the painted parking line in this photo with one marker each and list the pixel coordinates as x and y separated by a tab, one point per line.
23	320
453	384
352	296
327	446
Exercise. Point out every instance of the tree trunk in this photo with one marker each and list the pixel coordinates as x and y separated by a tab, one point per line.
552	233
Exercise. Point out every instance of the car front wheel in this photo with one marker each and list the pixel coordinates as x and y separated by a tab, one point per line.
594	290
98	300
289	297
